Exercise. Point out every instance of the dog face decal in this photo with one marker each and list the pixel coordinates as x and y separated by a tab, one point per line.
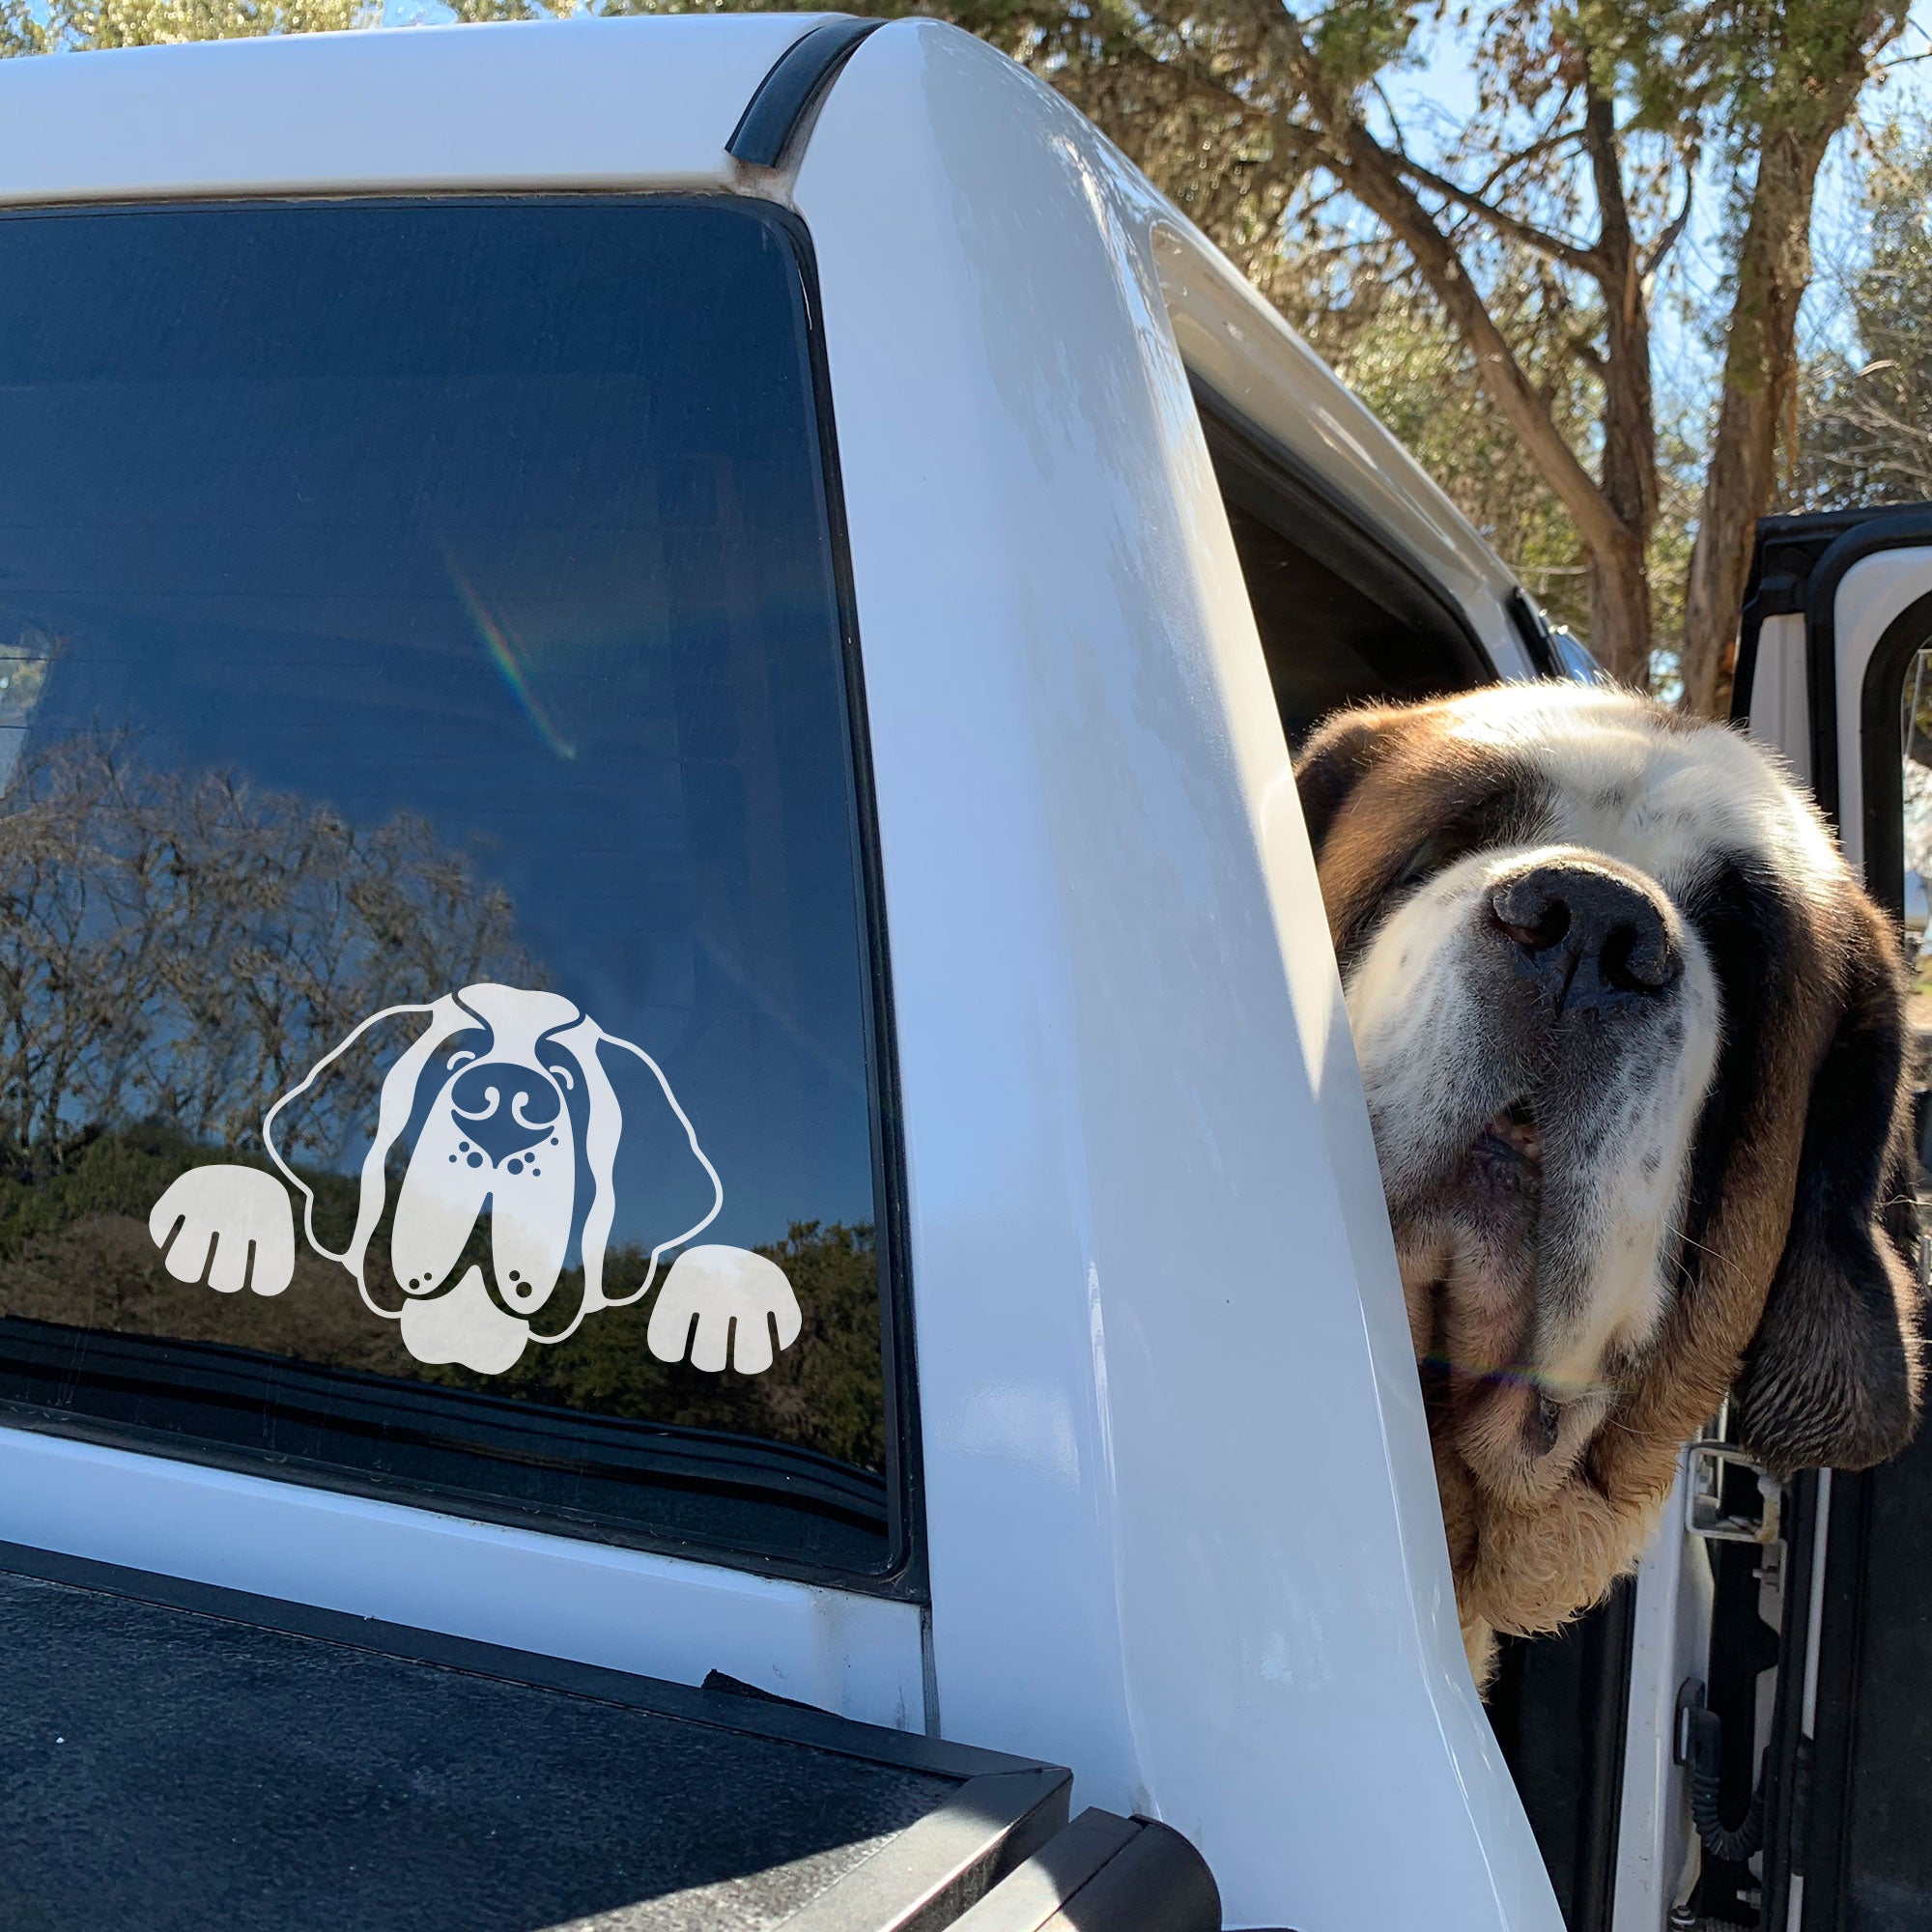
509	1113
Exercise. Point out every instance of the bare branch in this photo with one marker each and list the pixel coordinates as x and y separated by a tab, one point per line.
1660	248
1548	145
1556	247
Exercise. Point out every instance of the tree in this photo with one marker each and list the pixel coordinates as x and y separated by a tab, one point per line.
1538	229
1865	399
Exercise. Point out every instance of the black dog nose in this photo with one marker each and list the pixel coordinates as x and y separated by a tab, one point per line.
1587	937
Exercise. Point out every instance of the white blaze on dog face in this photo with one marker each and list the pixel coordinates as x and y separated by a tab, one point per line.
497	1138
516	1126
1441	1057
1538	1018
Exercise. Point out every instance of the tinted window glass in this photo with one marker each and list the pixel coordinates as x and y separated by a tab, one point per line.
437	1044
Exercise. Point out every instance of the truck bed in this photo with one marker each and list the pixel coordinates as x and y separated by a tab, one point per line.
175	1756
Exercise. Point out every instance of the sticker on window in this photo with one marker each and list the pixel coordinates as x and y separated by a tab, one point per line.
502	1113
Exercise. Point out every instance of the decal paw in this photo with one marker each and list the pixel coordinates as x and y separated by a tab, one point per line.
722	1300
524	1127
228	1226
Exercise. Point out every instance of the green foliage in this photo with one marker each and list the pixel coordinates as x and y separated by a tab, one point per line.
1866	403
107	1174
1357	39
75	24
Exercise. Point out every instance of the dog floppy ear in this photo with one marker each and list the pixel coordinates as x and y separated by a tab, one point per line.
1831	1379
1340	753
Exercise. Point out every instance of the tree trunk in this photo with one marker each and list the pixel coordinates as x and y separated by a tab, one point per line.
1760	371
1620	633
1761	357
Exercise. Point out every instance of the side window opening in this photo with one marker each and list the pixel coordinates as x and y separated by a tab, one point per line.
1342	619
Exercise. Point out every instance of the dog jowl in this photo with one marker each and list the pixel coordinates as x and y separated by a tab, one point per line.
501	1102
1633	1040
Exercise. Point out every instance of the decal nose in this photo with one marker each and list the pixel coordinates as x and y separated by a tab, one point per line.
498	1137
504	1110
1588	939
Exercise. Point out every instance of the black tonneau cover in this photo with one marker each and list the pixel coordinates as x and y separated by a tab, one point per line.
175	1756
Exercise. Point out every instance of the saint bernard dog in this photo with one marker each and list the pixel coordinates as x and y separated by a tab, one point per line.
1635	1048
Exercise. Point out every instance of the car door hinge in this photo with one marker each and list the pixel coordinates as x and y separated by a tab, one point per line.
1709	1513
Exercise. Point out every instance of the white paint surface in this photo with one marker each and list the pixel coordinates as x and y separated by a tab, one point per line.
572	104
1184	1526
625	1608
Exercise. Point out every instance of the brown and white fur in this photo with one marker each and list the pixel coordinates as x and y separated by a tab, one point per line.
1634	1044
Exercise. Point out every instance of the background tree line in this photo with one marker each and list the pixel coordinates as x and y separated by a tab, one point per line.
177	950
1578	300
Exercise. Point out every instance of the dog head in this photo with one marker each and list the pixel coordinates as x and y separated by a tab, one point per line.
506	1104
1634	1045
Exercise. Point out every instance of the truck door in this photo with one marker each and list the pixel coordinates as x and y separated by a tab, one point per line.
1835	1641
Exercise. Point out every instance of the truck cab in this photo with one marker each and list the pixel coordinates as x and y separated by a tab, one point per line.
669	1022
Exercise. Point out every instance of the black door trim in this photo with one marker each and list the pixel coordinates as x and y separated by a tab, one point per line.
1798	565
779	112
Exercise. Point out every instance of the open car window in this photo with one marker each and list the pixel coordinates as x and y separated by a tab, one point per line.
1343	620
440	1044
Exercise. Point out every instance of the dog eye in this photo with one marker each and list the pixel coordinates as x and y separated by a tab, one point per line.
1425	858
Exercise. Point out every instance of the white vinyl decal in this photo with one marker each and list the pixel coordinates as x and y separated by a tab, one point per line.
528	1127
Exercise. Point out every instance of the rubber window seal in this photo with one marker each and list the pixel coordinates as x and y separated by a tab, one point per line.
780	109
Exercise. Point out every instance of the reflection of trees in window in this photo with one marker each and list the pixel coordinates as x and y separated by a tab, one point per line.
183	948
176	951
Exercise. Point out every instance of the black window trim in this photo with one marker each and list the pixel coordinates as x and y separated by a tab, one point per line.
905	1574
777	120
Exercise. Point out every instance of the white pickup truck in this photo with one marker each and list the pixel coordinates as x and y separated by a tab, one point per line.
665	1018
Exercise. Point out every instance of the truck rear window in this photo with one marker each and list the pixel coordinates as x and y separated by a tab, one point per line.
439	1046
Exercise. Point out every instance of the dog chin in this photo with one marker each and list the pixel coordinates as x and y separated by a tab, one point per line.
1470	1252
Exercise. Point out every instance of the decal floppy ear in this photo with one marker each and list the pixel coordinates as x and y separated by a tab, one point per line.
1832	1378
394	1106
586	1042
